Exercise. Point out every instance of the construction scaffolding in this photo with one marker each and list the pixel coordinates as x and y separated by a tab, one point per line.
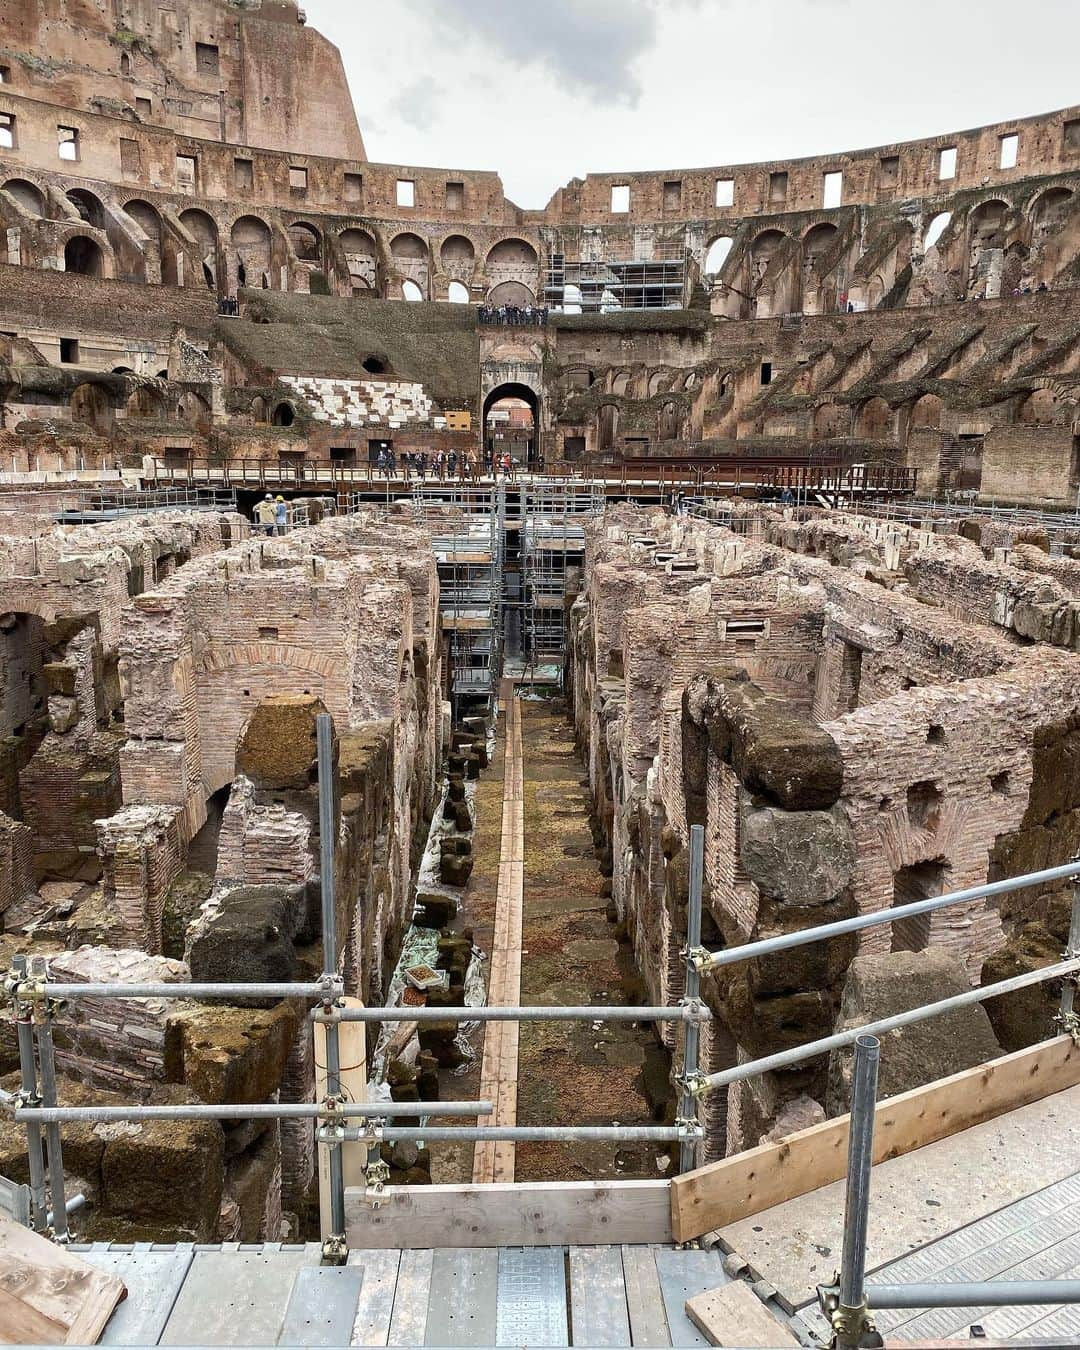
611	284
467	543
552	549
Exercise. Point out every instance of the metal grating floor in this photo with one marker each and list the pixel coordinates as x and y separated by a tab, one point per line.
1037	1237
272	1294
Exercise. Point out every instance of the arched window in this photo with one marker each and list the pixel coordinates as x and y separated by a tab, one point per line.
937	227
458	293
717	255
411	291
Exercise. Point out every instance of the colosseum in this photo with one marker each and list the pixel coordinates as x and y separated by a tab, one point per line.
540	749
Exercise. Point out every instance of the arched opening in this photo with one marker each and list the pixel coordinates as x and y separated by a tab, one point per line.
374	365
88	206
122	370
83	256
830	420
410	257
511	424
194	411
284	415
1040	406
986	243
251	246
458	293
936	229
874	421
90	405
361	258
29	198
125	63
511	293
717	255
668	427
145	402
816	247
1048	210
203	230
146	217
457	255
306	242
659	382
259	411
926	412
411	291
762	251
607	426
620	382
511	262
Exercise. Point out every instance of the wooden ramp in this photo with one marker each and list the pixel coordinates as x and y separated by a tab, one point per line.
498	1072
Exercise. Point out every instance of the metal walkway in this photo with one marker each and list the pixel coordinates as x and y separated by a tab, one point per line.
273	1294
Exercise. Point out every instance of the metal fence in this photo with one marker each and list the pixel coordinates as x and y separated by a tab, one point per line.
37	1001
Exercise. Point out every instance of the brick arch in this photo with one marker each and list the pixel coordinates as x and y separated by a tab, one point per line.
267	654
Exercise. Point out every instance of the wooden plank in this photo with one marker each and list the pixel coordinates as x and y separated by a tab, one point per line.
408	1323
734	1315
49	1296
598	1312
248	1288
494	1161
747	1183
644	1299
522	1214
374	1310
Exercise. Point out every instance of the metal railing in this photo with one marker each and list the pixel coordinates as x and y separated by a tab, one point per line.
36	1001
847	1302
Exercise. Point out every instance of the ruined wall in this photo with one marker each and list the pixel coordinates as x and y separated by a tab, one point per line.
848	747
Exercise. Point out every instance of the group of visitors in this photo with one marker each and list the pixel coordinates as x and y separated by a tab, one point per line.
1026	290
272	514
442	464
521	316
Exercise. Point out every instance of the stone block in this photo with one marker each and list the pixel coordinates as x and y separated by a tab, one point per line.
226	1054
799	857
277	748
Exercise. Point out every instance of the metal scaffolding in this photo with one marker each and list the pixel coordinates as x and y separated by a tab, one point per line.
467	543
552	544
607	285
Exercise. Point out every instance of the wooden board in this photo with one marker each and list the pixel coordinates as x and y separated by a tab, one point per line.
525	1214
494	1161
747	1183
644	1300
48	1296
734	1315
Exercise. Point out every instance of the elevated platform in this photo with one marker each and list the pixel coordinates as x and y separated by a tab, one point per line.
273	1294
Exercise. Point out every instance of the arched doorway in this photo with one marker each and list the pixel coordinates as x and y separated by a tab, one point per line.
512	423
83	256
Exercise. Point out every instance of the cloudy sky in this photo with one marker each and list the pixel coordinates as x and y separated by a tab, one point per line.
546	90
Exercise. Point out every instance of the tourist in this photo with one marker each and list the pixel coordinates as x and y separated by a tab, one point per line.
266	514
281	514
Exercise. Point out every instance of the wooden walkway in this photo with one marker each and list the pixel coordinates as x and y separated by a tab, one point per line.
494	1296
499	1066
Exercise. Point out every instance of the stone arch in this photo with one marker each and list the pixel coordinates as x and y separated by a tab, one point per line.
88	206
412	291
230	681
28	195
511	293
1040	406
203	229
458	293
1047	210
306	241
659	383
194	410
145	216
817	241
607	425
873	422
831	420
361	258
411	258
620	382
83	256
762	251
145	401
90	404
717	253
668	422
509	390
284	414
987	221
252	247
259	409
457	254
512	256
936	229
926	412
986	245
